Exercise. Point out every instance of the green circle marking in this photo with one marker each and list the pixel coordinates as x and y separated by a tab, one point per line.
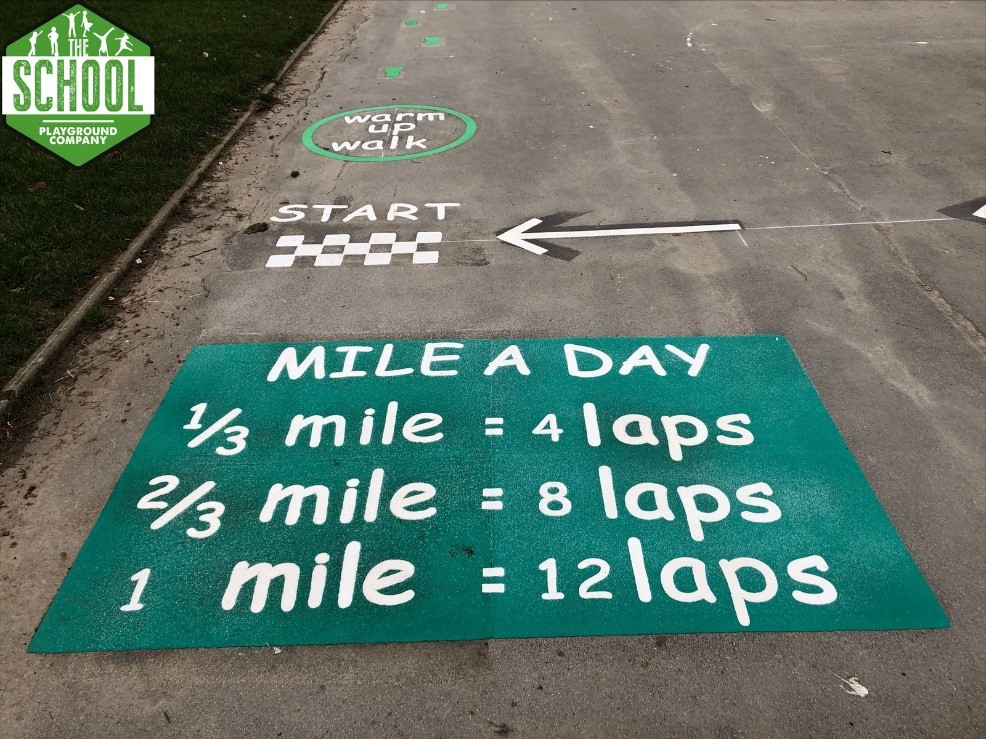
308	141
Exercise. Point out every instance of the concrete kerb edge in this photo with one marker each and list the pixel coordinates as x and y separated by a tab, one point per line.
66	330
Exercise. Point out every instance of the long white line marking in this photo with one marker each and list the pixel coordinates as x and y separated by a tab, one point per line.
849	223
633	231
981	213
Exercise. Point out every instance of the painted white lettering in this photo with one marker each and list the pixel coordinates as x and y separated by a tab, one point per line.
347	578
373	495
375	145
413	142
349	362
431	116
402	210
264	573
644	433
297	212
740	595
699	576
643	357
317	423
296	495
409	495
639	568
386	574
676	441
348	511
796	570
661	509
440	209
389	424
591	424
327	210
696	517
288	361
386	353
429	357
728	423
366	428
422	422
319	575
571	358
694	363
747	496
608	493
509	357
365	212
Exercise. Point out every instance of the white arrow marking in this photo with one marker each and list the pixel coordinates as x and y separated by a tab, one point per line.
519	235
981	213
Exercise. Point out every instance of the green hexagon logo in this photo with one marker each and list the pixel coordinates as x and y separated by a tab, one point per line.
78	85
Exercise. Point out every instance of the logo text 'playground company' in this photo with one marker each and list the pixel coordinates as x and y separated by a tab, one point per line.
78	85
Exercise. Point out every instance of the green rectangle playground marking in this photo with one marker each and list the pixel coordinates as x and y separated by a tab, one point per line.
355	492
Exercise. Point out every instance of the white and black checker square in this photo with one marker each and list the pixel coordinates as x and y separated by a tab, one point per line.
370	251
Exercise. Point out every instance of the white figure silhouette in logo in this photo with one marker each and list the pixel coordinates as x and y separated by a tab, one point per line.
34	44
104	50
71	23
53	40
86	23
124	44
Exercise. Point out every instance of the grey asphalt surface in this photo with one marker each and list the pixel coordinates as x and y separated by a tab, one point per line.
772	113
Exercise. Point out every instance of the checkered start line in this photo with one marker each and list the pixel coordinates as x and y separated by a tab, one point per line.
335	258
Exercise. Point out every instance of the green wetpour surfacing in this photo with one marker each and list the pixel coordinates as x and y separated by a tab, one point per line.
355	492
389	133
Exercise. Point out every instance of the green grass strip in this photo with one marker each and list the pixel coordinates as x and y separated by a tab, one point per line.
61	225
